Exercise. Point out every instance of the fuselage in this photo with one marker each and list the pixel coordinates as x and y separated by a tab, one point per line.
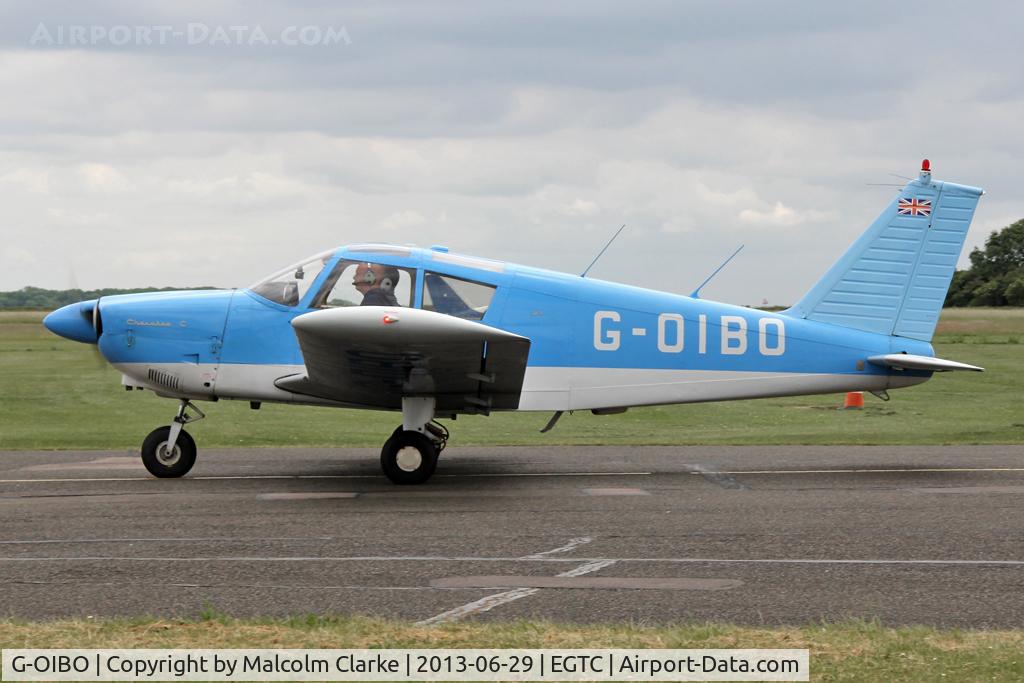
594	344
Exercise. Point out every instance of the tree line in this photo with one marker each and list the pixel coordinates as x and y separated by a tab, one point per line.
39	299
996	275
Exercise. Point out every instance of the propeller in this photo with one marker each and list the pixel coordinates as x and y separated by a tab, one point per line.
91	314
97	325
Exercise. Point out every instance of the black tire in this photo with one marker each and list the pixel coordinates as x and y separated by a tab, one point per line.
154	456
408	458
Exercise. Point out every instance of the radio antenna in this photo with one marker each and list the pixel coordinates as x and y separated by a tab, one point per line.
696	292
600	253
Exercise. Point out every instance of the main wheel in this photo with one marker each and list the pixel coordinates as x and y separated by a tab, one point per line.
164	463
408	458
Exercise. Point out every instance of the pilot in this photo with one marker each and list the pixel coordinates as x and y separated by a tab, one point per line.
376	283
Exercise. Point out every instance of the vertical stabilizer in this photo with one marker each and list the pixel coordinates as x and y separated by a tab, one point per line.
894	278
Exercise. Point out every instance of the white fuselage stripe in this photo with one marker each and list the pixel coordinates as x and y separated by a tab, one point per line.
544	388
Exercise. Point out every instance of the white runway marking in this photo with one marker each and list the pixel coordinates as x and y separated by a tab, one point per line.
587	568
508	582
717	477
113	463
874	471
477	606
550	474
1016	490
308	496
248	586
234	539
262	477
560	560
491	601
292	477
571	545
616	492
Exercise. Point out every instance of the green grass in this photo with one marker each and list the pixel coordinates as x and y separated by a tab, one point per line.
55	394
852	651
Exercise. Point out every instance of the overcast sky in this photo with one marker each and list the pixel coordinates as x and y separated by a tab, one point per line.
171	143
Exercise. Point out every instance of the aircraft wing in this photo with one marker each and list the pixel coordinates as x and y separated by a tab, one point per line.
372	356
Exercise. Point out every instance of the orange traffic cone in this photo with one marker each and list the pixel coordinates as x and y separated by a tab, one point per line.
854	401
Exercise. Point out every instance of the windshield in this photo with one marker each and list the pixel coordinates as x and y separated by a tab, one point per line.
289	285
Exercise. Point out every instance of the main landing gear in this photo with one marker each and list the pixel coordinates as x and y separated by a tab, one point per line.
410	455
170	451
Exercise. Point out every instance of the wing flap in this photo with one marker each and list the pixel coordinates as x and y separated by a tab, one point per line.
373	356
906	361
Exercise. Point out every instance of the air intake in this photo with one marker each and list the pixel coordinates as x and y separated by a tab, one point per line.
164	379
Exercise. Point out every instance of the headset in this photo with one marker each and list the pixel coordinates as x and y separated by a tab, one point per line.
388	279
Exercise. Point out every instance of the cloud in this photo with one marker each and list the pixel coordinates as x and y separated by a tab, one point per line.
581	207
527	132
781	215
36	181
103	178
16	256
402	219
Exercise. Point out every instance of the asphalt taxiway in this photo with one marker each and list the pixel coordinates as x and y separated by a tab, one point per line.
752	535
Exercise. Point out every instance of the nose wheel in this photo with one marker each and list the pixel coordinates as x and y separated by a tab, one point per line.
164	460
169	452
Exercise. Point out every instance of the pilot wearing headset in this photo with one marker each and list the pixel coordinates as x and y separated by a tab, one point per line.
376	283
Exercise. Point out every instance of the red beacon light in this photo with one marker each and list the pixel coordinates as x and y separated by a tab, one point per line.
390	319
926	166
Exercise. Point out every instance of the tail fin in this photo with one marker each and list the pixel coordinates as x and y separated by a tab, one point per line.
894	278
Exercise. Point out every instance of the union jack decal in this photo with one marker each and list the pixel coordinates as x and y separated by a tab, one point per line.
915	207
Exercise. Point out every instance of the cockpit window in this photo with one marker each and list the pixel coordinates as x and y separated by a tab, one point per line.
455	296
366	283
288	286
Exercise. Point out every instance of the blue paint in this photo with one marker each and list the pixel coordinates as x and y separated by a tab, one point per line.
555	310
73	321
164	327
883	296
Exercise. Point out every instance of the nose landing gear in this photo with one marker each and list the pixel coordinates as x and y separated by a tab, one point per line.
170	451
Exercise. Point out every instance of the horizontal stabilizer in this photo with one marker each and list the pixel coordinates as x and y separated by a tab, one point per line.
906	361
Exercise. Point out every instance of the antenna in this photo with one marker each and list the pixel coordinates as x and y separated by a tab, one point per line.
696	292
600	253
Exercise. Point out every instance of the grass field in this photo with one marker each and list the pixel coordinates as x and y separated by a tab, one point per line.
839	652
57	395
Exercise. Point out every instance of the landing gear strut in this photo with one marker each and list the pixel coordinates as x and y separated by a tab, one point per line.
170	451
410	455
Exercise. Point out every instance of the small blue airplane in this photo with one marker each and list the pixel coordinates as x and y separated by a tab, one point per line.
435	334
